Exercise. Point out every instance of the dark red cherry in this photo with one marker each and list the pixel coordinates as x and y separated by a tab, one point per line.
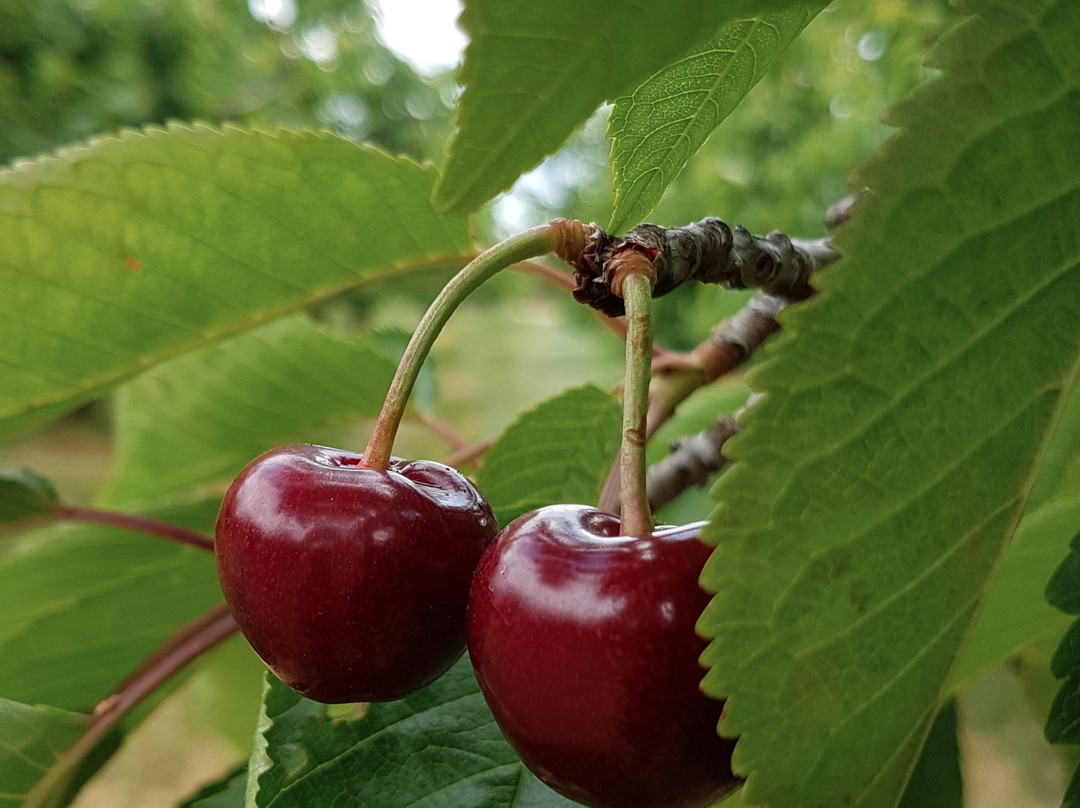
351	583
584	646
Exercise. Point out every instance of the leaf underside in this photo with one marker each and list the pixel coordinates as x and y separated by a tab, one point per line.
438	748
201	417
656	129
24	495
60	586
871	500
32	738
144	246
936	781
1016	613
534	71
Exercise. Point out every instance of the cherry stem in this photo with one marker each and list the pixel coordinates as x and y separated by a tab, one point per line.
530	244
192	640
134	522
636	514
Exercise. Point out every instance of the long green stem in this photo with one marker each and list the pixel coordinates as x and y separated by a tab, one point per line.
530	244
636	515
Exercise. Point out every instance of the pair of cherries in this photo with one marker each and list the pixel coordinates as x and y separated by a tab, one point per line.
363	584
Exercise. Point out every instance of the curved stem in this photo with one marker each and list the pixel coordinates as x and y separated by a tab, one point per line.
531	243
197	637
134	522
636	514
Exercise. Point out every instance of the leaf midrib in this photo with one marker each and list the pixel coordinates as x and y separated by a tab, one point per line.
88	385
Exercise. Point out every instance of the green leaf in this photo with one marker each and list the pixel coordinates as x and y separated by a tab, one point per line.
1072	793
535	71
561	451
145	246
228	792
1059	473
877	484
80	606
439	748
24	495
32	738
1016	614
656	129
1063	589
936	781
1063	721
202	417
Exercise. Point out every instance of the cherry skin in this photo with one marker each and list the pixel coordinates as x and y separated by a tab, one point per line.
351	583
583	644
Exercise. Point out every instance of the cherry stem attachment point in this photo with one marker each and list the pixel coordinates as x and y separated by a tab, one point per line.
636	514
529	244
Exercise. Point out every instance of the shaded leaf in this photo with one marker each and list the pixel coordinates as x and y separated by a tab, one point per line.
561	451
1016	613
936	781
1059	473
32	738
1066	659
24	495
534	71
656	129
1063	589
228	792
439	748
80	605
202	417
61	783
871	500
145	246
1063	721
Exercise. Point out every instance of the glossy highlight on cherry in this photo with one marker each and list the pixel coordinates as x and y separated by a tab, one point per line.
351	582
583	644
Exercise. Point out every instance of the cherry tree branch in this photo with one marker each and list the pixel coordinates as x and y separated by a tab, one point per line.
709	251
693	459
729	345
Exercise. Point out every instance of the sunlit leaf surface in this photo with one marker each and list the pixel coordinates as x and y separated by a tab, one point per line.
878	483
148	245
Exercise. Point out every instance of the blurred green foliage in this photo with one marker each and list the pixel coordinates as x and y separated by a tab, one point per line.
71	69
